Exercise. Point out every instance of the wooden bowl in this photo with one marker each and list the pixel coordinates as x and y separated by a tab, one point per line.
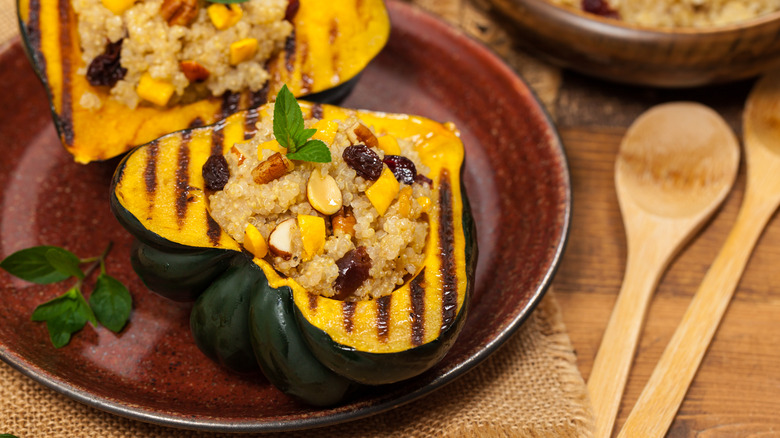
617	51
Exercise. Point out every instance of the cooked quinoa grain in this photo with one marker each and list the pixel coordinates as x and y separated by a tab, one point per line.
394	241
151	45
683	13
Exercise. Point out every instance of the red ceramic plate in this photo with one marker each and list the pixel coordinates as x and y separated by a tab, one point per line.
516	175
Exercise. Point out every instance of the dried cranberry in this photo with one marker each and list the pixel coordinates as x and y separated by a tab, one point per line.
353	271
402	167
599	7
365	161
216	172
422	179
292	9
105	69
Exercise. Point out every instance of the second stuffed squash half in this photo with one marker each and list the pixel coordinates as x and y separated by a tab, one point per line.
251	311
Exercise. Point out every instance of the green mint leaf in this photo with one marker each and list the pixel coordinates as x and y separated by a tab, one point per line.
315	151
303	136
64	261
64	315
288	119
7	435
111	302
31	264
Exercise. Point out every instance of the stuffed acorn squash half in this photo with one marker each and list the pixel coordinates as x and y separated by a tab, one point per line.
120	73
326	273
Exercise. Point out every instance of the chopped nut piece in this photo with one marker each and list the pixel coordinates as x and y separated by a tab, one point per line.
272	168
323	193
280	240
343	221
194	71
179	12
366	136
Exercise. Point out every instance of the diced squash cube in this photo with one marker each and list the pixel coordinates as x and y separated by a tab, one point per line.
425	203
405	201
224	16
154	90
271	145
242	50
254	242
312	233
383	191
118	6
389	145
326	131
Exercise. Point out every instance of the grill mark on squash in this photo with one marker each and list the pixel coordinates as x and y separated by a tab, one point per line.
66	113
449	277
256	99
348	308
383	318
218	138
289	52
34	35
183	178
150	171
230	104
316	111
313	302
213	230
417	294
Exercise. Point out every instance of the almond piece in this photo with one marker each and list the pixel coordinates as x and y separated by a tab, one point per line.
280	240
194	71
274	167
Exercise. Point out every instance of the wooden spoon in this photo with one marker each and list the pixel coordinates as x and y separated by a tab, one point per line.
657	405
676	164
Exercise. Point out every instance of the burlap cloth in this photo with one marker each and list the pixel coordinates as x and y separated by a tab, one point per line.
529	388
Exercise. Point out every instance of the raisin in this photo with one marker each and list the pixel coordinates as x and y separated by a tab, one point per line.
292	9
353	271
599	7
216	172
105	69
422	179
365	161
403	169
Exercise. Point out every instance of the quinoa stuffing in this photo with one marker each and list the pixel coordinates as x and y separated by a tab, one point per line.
677	13
162	52
352	228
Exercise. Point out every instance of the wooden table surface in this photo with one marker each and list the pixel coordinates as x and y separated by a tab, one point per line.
735	392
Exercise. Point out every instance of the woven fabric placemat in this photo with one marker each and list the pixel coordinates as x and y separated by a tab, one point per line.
530	387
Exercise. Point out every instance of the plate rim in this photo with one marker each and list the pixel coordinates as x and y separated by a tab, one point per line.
140	413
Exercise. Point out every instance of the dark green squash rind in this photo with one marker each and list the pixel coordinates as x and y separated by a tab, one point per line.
282	353
220	317
179	276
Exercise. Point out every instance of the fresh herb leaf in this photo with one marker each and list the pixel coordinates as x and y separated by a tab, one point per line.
64	315
291	134
33	265
111	302
315	151
65	262
7	435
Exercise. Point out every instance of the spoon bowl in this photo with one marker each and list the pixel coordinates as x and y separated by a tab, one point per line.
676	164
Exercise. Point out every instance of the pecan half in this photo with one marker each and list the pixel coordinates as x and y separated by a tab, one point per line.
272	168
194	71
179	12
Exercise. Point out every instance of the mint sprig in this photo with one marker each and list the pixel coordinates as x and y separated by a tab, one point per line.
109	304
291	134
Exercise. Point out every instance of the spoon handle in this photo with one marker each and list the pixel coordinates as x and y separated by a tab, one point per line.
661	398
613	361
